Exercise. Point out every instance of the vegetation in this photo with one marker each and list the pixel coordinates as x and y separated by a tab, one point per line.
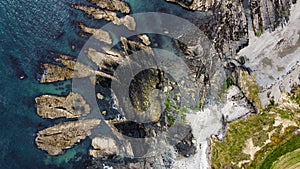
272	143
260	32
228	83
174	113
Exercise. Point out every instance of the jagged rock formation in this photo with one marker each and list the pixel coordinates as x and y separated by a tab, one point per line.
197	4
103	147
97	13
267	14
112	5
71	69
72	106
64	135
233	20
99	34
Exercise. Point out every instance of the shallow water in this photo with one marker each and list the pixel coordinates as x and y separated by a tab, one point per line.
29	31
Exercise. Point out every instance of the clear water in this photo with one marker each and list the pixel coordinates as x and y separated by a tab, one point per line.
29	31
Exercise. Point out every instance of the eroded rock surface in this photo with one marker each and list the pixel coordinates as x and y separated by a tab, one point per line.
64	135
72	106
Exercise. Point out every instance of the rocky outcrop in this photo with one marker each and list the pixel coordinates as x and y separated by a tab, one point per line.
70	69
72	106
197	4
267	14
103	147
97	13
112	5
99	34
64	135
133	46
108	147
236	106
233	19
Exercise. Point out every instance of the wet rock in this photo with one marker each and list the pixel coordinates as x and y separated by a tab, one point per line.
72	106
64	135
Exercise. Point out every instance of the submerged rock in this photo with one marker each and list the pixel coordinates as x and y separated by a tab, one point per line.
64	135
72	106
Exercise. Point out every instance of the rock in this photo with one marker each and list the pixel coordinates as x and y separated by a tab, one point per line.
145	39
71	69
248	85
64	135
112	5
99	34
100	96
72	106
269	14
103	59
237	105
132	46
103	147
97	13
197	4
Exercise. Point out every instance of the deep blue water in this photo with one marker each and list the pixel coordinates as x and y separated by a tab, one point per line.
30	30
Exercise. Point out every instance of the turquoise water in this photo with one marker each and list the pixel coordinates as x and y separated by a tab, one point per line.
30	32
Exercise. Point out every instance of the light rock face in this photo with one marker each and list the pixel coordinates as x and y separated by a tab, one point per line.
72	106
97	13
64	135
237	105
104	146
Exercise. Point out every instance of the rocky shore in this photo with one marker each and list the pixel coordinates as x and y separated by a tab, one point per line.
179	135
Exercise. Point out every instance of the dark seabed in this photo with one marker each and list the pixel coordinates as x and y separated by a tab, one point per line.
30	32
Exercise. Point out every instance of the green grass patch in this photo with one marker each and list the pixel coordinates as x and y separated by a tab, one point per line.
229	152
